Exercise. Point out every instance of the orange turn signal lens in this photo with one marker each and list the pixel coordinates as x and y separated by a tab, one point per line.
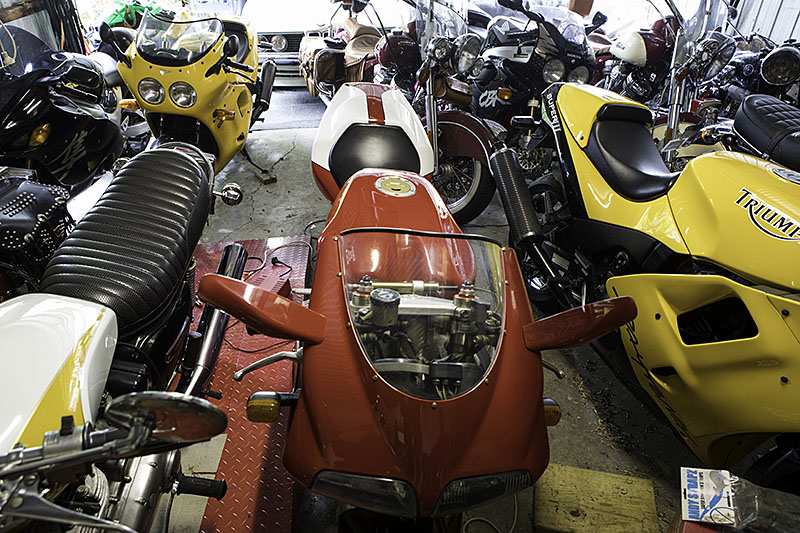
129	103
552	412
260	409
40	134
504	93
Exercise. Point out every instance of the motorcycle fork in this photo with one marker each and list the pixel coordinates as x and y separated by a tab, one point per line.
431	121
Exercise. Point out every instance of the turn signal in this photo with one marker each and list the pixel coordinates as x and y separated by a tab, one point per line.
552	412
263	407
129	103
224	114
40	134
504	93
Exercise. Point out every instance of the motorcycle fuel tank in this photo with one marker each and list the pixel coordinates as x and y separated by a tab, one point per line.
56	356
742	213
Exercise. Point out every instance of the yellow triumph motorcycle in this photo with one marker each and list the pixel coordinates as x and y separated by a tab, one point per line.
709	255
196	81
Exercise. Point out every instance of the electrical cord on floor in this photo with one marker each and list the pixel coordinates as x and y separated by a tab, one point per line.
480	519
268	253
169	511
313	223
257	350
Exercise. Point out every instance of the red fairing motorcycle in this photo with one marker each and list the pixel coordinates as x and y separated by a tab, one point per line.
420	377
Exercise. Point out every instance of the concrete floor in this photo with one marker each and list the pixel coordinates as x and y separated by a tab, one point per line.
604	427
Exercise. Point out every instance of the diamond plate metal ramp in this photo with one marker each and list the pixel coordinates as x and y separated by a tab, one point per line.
259	497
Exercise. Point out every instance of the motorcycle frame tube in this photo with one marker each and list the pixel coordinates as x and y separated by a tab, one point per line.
709	397
347	420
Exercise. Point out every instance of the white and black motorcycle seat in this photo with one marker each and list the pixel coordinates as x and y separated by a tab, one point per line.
771	127
133	248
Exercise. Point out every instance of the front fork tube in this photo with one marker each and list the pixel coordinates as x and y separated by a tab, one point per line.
432	122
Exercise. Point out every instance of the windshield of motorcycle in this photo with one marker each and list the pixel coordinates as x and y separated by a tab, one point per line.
22	48
703	16
176	43
569	23
427	308
445	18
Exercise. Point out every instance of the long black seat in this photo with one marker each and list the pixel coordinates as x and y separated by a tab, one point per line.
621	147
772	127
131	251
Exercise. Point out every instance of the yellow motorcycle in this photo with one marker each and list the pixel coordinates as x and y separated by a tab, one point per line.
709	255
196	81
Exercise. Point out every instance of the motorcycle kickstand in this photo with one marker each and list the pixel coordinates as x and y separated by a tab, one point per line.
295	357
267	181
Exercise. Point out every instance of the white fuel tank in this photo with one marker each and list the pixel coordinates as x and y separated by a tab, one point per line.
55	355
630	48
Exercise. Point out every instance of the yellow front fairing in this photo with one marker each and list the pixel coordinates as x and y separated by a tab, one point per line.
736	211
715	392
578	107
224	102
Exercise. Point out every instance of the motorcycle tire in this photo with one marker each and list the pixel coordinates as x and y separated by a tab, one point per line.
779	467
465	185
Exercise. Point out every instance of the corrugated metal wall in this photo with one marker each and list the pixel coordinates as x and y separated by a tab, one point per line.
777	19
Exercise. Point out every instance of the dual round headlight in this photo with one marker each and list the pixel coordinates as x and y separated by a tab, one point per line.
468	49
181	93
554	71
440	48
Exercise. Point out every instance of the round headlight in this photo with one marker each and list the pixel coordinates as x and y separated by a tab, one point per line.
439	48
182	94
151	91
554	71
781	66
477	67
468	48
579	74
279	43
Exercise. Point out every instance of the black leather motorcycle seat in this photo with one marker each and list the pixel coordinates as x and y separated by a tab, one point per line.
131	251
372	146
622	149
772	127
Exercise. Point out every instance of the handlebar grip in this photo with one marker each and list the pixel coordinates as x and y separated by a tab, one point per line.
199	486
240	66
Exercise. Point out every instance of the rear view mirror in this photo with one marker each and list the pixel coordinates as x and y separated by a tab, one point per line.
231	46
264	311
106	35
516	5
580	325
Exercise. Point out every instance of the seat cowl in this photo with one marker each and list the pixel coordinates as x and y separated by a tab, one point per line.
131	251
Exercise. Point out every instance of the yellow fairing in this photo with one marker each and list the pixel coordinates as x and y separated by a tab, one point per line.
216	94
735	211
578	106
715	393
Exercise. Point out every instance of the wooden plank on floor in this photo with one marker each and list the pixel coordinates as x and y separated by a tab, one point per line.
570	499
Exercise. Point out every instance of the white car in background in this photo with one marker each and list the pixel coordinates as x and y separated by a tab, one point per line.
282	25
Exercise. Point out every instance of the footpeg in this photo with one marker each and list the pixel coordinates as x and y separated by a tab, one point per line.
200	486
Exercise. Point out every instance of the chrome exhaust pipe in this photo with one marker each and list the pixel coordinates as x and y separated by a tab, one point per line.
213	323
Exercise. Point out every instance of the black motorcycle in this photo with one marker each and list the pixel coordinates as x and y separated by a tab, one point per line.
520	60
55	112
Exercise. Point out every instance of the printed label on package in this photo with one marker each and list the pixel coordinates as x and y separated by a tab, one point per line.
706	496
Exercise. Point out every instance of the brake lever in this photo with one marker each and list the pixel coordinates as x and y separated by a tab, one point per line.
239	66
25	503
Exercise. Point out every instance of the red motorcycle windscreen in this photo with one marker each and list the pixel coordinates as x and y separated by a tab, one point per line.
427	309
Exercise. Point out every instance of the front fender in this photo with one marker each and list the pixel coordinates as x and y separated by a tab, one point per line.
461	134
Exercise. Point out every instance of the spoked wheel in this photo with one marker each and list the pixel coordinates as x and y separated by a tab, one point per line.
465	185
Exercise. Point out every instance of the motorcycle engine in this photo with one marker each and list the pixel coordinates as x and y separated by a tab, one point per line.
428	341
